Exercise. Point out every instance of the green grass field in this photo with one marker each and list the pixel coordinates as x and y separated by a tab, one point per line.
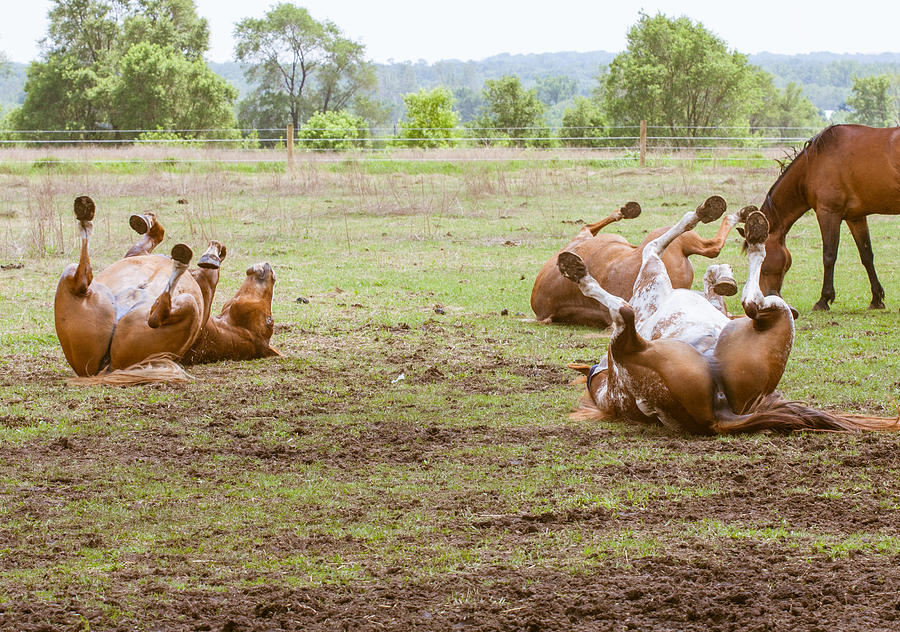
415	432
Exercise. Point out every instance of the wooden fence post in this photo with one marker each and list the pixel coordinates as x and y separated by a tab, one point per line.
290	145
643	143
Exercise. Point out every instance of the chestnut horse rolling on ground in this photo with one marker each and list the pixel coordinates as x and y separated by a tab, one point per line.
844	173
614	263
676	358
144	307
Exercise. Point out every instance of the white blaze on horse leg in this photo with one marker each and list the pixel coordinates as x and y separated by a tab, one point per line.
659	244
752	293
592	289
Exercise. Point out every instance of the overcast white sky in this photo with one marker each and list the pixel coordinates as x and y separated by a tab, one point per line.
472	29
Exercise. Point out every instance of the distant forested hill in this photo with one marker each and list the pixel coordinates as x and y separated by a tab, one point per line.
826	77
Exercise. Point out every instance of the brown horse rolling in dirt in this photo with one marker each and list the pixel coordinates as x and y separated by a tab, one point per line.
676	358
844	173
145	306
614	263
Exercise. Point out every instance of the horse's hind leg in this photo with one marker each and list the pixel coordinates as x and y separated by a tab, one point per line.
161	311
629	211
207	274
860	230
719	282
151	231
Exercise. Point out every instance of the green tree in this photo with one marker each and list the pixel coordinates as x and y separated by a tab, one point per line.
511	111
875	100
676	73
430	118
123	64
309	62
783	108
552	89
333	130
160	87
583	124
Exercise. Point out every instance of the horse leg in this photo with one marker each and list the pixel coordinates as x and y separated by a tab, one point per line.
859	228
830	227
207	274
151	231
80	280
718	282
693	244
752	352
161	311
653	282
629	211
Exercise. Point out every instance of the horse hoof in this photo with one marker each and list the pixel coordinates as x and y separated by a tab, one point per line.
756	228
571	266
876	305
630	210
212	258
141	223
84	208
712	209
182	253
744	213
821	306
725	287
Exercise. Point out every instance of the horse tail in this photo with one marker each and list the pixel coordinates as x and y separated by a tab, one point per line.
160	367
776	413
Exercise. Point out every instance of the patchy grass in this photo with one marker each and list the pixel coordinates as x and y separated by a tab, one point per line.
410	458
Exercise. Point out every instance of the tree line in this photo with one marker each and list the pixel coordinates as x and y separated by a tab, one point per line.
110	68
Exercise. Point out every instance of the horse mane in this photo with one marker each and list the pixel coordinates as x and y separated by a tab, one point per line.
160	367
817	143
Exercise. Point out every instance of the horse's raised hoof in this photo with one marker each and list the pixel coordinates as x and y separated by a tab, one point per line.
141	223
712	209
212	258
630	210
744	213
756	228
571	266
182	253
84	208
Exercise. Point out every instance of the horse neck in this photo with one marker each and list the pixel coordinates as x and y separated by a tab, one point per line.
786	201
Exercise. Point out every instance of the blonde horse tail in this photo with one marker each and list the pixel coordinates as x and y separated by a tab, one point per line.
161	367
775	413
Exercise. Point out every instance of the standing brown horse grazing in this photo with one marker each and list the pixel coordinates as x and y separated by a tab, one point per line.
844	173
145	306
677	359
615	264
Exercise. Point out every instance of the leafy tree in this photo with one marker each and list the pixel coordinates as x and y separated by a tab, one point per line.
158	86
511	111
551	89
875	100
333	130
583	124
468	103
430	118
310	62
122	64
781	109
678	74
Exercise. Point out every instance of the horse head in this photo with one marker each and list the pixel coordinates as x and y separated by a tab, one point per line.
244	327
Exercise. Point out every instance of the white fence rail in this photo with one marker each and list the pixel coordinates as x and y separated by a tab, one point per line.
638	144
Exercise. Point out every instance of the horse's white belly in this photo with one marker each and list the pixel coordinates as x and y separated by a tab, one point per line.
687	316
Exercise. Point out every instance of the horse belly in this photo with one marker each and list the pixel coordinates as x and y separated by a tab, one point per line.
687	316
134	340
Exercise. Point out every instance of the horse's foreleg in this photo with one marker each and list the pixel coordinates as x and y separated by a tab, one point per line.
161	311
207	275
753	300
712	247
830	227
151	232
859	228
718	282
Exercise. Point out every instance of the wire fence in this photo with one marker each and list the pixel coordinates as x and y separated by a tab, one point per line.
641	144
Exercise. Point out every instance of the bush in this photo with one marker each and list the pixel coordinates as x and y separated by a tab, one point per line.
334	131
